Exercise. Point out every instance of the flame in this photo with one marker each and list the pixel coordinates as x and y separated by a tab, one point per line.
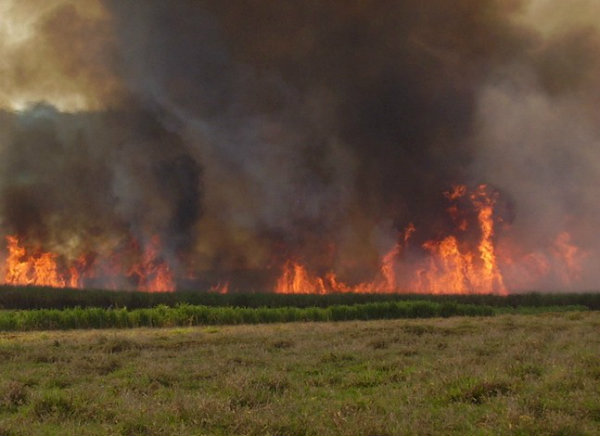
463	261
450	268
153	273
220	288
456	271
456	192
34	269
570	256
295	279
490	273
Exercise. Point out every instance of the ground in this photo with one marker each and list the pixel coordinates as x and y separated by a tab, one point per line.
509	374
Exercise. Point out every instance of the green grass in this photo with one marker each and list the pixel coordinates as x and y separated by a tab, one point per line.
509	374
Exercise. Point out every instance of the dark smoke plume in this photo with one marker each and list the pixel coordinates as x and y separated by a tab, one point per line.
246	133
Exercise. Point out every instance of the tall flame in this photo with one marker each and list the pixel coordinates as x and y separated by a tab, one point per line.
456	271
570	256
34	269
451	267
154	275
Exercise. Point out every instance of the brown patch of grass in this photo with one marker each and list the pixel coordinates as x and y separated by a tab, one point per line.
14	394
480	392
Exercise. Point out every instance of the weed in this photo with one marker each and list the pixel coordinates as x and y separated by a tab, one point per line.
282	344
134	428
53	403
118	345
378	344
332	357
479	392
417	329
14	395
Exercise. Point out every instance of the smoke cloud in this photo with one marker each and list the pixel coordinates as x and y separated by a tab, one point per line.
245	134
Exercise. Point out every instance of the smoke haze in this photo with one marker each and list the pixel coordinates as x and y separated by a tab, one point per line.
244	134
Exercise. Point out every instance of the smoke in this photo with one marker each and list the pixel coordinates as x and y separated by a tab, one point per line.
244	134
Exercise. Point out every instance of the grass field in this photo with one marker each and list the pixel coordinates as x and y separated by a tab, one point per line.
508	374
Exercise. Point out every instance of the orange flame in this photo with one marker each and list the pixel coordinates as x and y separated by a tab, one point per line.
23	269
463	261
450	267
295	279
40	268
451	270
570	256
153	273
220	288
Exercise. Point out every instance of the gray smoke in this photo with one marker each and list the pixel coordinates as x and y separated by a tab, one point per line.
244	134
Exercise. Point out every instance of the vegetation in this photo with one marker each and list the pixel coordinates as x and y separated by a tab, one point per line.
52	298
508	374
188	315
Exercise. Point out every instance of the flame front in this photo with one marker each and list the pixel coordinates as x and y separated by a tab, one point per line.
463	261
451	264
40	268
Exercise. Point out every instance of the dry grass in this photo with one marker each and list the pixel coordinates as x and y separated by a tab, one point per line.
510	374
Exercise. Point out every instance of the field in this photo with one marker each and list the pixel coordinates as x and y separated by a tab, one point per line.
506	374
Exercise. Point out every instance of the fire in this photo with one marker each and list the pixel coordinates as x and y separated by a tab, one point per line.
464	260
220	288
153	273
41	268
295	279
452	267
30	269
570	256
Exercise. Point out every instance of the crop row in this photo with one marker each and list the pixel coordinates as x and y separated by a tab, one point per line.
190	315
52	298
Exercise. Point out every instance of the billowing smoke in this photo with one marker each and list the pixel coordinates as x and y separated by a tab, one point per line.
243	134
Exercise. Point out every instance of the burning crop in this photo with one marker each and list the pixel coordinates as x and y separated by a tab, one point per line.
316	147
35	267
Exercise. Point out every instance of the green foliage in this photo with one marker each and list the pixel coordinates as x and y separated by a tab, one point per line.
33	297
190	315
33	308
